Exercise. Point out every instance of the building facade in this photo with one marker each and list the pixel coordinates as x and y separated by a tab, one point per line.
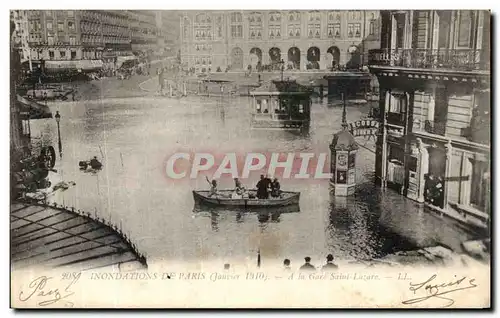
302	39
85	34
434	75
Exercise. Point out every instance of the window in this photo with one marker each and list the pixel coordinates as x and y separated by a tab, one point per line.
294	25
355	15
236	17
372	27
314	25
255	22
237	31
49	25
465	28
71	25
60	26
72	40
314	31
71	13
50	40
479	185
334	30
354	30
62	54
73	55
396	103
274	26
51	55
26	128
236	25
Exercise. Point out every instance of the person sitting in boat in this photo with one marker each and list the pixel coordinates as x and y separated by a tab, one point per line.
238	191
213	188
275	188
262	187
95	164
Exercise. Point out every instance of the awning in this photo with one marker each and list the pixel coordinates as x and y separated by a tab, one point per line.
122	59
73	65
30	109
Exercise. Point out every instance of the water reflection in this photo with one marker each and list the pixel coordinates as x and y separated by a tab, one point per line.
264	215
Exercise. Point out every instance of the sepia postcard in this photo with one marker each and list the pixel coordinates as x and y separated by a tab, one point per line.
250	159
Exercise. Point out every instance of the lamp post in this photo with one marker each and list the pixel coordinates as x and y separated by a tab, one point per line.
58	119
282	62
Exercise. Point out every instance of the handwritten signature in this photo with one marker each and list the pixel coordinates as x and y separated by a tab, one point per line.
39	289
437	290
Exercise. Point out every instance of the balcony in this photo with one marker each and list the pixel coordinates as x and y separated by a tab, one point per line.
435	127
455	59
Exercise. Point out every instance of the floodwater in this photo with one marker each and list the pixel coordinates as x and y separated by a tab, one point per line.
134	136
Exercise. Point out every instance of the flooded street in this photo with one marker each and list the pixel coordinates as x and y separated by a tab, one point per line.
133	137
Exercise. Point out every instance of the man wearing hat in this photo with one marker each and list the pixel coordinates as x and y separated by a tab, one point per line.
307	265
329	264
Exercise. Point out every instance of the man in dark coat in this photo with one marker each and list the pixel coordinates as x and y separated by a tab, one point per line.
262	187
329	266
307	265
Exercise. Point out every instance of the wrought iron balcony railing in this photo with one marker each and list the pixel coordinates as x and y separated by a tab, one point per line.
456	59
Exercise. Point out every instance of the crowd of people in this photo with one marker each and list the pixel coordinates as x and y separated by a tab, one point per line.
307	266
265	188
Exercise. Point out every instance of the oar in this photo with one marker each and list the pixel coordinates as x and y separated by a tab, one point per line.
102	155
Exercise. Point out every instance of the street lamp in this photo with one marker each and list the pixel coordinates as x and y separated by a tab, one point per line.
58	119
282	62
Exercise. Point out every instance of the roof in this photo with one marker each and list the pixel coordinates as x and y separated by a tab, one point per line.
30	109
50	237
344	141
278	87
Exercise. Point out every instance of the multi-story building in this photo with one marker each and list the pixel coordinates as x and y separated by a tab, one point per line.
87	34
434	75
302	39
144	30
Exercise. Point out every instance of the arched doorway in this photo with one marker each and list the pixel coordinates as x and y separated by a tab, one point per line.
313	56
275	57
256	58
237	59
334	55
294	58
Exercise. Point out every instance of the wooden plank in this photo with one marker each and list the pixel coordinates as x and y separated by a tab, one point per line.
70	224
17	223
74	240
17	206
82	256
89	230
43	215
104	261
460	110
87	248
28	211
466	97
26	229
53	221
34	236
44	255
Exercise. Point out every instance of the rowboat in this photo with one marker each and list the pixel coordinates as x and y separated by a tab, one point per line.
224	198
